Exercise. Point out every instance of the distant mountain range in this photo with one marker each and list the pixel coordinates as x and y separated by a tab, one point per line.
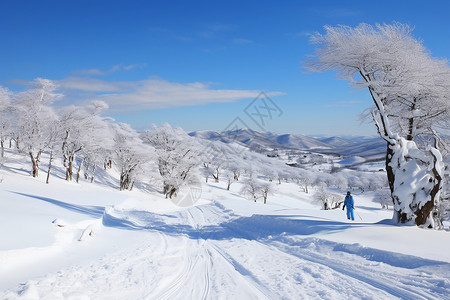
363	146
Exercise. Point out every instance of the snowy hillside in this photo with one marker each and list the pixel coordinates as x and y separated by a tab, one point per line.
369	147
91	241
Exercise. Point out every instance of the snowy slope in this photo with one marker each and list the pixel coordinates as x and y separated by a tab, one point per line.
367	147
262	139
138	245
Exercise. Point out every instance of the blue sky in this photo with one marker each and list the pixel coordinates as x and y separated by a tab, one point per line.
199	64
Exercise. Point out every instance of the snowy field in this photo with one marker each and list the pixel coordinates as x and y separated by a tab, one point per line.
90	241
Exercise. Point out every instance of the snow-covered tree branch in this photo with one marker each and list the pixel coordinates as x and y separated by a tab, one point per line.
176	154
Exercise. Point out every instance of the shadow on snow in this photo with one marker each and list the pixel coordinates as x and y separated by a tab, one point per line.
91	211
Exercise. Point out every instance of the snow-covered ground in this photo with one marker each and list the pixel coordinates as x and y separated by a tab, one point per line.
90	241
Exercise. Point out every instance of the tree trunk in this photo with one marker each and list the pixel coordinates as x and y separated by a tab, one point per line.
423	213
417	196
34	162
217	175
49	167
79	169
411	127
123	181
94	168
69	170
169	190
2	150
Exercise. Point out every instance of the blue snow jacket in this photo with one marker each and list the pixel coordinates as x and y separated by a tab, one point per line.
348	202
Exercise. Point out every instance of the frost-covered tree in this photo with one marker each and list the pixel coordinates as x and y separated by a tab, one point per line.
340	181
100	142
383	196
269	173
83	129
131	156
266	190
206	170
410	93
236	169
229	177
217	156
213	160
251	188
35	118
5	118
54	139
177	155
327	199
304	178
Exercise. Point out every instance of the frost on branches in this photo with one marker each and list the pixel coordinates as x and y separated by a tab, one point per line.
410	92
5	118
176	154
131	155
33	130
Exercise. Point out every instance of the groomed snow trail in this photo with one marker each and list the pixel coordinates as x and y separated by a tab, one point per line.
210	252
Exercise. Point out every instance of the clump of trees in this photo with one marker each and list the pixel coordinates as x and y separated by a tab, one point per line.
176	154
327	199
383	196
254	189
410	91
84	140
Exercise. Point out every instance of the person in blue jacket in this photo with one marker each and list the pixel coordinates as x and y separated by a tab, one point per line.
349	203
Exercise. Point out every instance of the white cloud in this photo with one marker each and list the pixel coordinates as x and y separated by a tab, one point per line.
154	93
99	72
88	85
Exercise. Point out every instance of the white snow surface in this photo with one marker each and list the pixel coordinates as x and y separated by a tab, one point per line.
138	245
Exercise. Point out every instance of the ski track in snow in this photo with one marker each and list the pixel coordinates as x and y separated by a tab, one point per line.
209	252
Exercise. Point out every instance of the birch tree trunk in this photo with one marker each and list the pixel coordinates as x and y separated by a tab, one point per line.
35	164
49	167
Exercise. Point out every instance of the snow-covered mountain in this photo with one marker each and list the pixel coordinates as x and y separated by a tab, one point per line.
367	147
